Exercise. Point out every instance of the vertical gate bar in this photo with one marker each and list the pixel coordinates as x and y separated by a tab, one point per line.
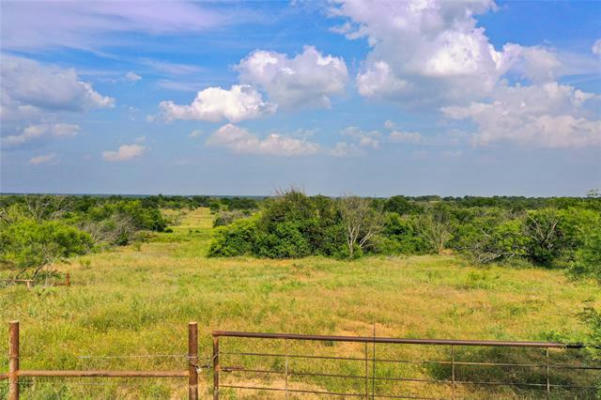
286	381
366	375
373	368
13	360
215	367
548	378
452	372
192	361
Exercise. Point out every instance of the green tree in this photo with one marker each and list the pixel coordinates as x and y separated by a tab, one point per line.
31	245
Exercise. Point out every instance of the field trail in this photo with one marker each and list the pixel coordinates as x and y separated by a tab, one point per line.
138	299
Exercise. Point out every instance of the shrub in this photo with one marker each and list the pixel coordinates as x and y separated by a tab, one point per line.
400	235
227	217
234	240
587	262
285	240
29	244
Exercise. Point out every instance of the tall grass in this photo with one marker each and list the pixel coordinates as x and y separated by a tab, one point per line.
137	300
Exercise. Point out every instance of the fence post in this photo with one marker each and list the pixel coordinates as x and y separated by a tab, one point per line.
215	367
547	369
452	372
68	280
366	374
192	361
13	360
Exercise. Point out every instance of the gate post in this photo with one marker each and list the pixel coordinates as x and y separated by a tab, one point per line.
13	360
192	361
215	367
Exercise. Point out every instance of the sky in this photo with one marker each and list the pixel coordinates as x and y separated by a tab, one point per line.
337	97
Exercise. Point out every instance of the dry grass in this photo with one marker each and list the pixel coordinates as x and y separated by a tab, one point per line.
138	301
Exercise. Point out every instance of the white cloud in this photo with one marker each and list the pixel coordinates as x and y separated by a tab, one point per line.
596	49
196	133
405	137
91	24
172	68
30	89
429	53
215	104
33	132
546	115
380	81
308	79
124	153
433	49
362	138
132	76
43	159
345	149
535	63
241	141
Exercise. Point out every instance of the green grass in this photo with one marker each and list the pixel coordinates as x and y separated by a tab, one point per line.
137	300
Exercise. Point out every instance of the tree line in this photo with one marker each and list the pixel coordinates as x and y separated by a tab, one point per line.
550	232
37	230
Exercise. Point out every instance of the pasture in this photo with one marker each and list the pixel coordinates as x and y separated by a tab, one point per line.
138	299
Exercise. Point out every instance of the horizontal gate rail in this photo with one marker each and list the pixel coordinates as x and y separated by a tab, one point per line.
367	339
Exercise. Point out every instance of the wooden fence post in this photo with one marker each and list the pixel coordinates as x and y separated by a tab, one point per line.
13	360
215	367
192	361
68	280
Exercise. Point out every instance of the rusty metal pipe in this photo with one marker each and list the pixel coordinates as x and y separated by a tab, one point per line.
103	374
363	339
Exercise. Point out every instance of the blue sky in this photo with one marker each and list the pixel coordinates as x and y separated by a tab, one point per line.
372	98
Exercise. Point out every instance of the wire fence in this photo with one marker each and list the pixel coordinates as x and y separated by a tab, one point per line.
292	366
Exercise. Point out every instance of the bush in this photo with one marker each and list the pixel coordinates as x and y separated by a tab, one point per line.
29	244
492	237
285	240
400	235
554	236
292	225
227	217
587	262
234	240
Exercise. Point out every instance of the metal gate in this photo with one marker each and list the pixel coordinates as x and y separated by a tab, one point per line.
558	368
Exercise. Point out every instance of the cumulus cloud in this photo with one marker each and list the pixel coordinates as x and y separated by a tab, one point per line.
30	88
132	76
308	79
124	153
214	104
33	132
545	115
426	53
535	63
379	81
434	47
241	141
43	159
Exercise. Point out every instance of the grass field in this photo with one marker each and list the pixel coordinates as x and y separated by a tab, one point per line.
138	299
